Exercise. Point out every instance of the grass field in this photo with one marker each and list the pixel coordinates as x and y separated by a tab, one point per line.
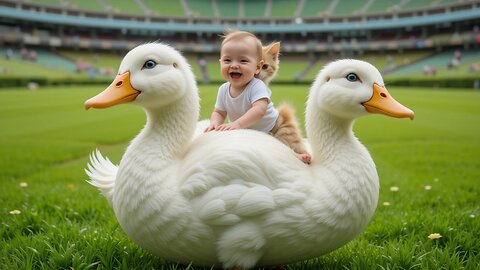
52	219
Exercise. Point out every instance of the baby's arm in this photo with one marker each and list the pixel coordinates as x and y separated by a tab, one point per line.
217	118
250	118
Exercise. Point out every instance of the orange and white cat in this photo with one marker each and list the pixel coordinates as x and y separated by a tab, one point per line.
286	128
271	62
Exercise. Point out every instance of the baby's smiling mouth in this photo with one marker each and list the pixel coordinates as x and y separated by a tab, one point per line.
235	75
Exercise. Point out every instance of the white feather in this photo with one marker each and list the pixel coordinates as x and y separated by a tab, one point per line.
102	173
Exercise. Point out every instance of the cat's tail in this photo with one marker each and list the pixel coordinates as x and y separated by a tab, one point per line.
287	129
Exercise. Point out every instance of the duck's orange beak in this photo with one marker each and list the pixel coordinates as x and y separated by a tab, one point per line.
119	91
382	102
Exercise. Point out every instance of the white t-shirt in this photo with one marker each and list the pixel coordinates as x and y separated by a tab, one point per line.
238	106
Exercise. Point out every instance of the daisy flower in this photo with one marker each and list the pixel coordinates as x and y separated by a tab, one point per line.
434	236
394	188
15	212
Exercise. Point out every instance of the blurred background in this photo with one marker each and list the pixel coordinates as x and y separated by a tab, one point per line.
413	42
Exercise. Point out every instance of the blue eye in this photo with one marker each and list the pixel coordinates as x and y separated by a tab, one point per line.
352	77
149	64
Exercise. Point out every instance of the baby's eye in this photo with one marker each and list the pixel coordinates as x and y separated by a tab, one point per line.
226	60
265	66
244	61
149	64
352	77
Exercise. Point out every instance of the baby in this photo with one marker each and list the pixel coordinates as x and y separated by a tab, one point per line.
244	99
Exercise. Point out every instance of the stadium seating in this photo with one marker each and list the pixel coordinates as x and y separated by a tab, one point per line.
54	60
98	60
283	8
417	4
43	58
126	6
47	2
345	7
87	5
314	8
228	8
47	65
248	8
378	6
201	8
399	37
440	62
253	8
165	7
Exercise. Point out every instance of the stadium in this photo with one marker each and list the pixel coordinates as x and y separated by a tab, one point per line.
56	54
412	42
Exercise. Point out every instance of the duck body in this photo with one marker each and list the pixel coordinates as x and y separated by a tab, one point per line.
237	202
239	198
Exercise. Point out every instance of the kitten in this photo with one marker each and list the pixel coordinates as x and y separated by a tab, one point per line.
286	128
271	62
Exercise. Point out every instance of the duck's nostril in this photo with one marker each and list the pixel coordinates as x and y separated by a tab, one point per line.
119	84
383	95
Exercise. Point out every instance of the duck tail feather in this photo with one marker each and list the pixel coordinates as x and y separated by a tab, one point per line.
102	173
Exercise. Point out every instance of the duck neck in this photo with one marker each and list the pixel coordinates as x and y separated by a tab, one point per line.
327	134
167	130
336	151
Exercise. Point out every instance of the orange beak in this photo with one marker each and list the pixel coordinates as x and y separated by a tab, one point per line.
382	102
119	91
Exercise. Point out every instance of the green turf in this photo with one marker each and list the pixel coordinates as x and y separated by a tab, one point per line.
46	135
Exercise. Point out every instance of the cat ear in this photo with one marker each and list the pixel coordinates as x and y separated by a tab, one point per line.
274	49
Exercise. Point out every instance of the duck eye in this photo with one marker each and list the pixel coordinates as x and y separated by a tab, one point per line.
265	66
149	64
352	77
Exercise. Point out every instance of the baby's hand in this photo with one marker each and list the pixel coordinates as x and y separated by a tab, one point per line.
229	126
210	128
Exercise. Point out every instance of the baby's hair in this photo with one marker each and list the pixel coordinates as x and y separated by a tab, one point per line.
232	34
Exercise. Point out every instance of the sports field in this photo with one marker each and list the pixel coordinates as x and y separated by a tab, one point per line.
52	219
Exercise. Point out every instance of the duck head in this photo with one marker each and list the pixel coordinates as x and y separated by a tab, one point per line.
150	75
351	88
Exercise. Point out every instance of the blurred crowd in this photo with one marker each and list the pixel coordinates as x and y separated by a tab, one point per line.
84	66
454	63
81	65
25	54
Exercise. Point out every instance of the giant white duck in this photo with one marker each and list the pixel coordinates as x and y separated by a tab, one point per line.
241	198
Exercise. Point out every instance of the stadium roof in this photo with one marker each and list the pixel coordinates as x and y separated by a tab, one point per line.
367	24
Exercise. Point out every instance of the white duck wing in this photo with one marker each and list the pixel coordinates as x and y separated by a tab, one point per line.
244	157
229	205
237	179
102	173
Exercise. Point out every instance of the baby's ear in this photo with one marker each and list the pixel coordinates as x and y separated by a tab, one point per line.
274	49
259	67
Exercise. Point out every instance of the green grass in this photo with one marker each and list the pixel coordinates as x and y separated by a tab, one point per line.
65	223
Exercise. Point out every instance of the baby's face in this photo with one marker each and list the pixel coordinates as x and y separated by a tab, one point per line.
239	61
